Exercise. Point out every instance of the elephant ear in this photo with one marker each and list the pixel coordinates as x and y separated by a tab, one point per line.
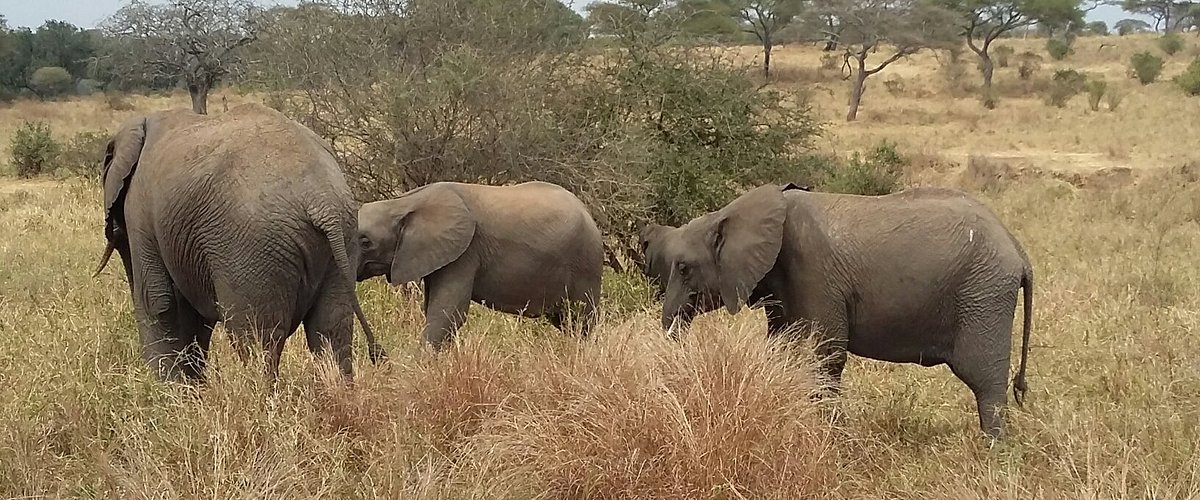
121	156
120	160
746	240
435	232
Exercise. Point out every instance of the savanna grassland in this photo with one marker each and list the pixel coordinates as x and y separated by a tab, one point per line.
520	411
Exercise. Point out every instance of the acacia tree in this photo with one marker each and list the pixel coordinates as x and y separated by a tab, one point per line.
764	19
983	21
1127	26
196	41
1168	15
899	28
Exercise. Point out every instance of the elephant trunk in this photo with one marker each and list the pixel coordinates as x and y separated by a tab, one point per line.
677	310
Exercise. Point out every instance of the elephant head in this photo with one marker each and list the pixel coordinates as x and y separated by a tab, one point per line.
120	160
409	237
654	265
718	258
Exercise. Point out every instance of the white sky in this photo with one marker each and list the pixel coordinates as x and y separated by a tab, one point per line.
89	13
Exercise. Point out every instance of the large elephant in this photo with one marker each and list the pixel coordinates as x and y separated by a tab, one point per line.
926	276
243	218
530	249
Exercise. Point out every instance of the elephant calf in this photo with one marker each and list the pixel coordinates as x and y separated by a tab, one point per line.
927	276
530	249
242	217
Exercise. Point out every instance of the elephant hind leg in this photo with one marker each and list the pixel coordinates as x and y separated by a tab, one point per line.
980	359
330	322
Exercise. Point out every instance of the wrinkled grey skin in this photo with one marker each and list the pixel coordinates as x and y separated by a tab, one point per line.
529	249
926	276
242	217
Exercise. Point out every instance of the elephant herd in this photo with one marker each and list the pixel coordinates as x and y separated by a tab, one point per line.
245	218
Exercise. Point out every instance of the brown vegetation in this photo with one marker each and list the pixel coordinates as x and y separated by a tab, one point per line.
518	410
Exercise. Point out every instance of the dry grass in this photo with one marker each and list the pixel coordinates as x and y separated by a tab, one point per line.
519	411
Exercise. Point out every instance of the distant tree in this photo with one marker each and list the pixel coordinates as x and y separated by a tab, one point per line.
983	21
196	41
1098	28
51	81
1128	26
897	28
764	19
1168	15
62	44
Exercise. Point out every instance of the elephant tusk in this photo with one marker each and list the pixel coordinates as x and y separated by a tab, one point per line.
108	250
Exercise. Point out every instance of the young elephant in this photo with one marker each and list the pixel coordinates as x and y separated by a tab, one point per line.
242	217
529	249
927	276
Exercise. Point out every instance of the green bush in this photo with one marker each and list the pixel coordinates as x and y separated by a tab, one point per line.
1065	84
1146	67
879	172
1003	54
1171	43
82	154
50	82
34	149
1095	90
1189	80
1113	97
1029	64
1058	48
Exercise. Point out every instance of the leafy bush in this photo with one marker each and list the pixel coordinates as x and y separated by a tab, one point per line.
879	172
1098	28
1030	63
1095	90
653	131
1113	97
1065	84
50	81
1171	43
894	86
1059	48
34	149
1189	80
1146	67
82	154
1003	53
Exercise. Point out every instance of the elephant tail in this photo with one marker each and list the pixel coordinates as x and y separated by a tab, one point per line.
332	229
1019	386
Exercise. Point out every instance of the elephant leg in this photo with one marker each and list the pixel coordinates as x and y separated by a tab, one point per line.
447	299
331	321
776	319
980	359
175	339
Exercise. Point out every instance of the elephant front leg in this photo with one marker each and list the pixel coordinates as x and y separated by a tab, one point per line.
447	299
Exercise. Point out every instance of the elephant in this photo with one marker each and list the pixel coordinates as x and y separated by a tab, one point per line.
242	218
530	249
927	276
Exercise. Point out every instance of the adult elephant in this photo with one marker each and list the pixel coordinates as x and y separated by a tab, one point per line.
926	276
530	249
243	218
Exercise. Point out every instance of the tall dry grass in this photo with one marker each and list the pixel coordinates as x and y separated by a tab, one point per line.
521	411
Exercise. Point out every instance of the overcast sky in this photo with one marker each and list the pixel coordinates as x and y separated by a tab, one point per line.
89	13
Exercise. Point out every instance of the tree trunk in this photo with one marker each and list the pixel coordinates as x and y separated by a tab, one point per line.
199	92
858	84
767	58
988	69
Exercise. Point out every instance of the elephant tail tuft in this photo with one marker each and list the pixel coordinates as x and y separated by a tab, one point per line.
1019	385
332	228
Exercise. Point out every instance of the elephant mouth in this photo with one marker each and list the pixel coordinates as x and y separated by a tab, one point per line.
372	269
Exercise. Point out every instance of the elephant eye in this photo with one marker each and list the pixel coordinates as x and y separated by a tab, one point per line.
366	243
684	270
